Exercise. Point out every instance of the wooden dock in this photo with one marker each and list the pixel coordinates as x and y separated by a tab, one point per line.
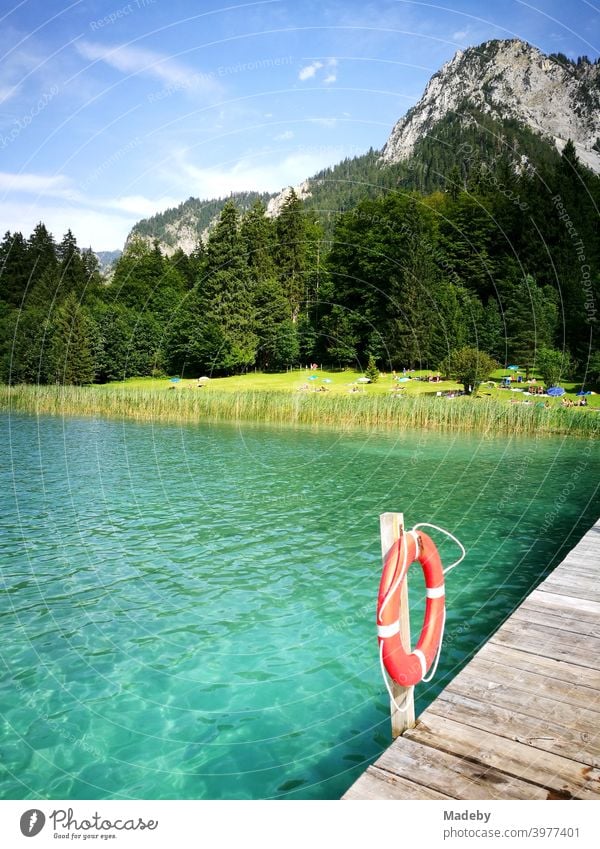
522	719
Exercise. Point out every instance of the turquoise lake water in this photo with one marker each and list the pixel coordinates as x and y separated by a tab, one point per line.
187	612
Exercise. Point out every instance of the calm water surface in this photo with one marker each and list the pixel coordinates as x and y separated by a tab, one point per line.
188	611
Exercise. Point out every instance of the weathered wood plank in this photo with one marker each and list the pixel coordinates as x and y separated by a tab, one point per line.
380	784
529	702
541	640
587	609
559	670
494	675
573	590
562	775
461	777
540	733
558	620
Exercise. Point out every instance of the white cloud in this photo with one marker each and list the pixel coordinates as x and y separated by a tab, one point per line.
137	60
104	231
40	184
102	222
139	205
309	70
285	136
265	172
460	35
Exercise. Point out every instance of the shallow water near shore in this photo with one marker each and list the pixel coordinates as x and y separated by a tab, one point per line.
188	611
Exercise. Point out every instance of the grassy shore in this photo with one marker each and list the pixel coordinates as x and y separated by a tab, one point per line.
484	414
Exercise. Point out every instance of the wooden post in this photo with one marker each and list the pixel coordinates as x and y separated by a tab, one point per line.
391	526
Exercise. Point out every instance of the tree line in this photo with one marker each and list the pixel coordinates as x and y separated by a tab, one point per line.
503	262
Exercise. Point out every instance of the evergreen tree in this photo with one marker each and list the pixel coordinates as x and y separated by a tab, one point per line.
71	352
226	296
41	251
14	268
291	253
257	234
530	315
25	346
278	346
72	272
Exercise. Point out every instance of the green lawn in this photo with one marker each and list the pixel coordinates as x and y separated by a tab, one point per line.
343	382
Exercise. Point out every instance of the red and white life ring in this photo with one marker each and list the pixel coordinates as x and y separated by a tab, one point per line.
408	668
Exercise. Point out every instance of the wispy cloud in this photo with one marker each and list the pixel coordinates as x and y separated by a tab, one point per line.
149	63
266	171
332	75
40	184
309	71
329	68
285	136
101	230
27	195
139	205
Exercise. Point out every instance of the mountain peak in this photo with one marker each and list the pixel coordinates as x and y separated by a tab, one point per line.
509	80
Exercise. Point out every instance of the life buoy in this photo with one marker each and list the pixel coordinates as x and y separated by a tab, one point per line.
408	668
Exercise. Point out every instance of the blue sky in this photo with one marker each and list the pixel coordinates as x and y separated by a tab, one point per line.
113	110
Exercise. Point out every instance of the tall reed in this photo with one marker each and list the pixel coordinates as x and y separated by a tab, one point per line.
485	415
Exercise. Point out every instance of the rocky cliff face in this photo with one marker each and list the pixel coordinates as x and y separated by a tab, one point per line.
507	80
510	80
275	204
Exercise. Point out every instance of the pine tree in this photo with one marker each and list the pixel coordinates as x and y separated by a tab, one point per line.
72	271
71	353
226	296
41	251
14	268
257	234
291	252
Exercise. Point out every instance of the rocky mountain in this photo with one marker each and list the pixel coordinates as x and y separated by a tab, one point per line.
107	258
184	225
500	99
509	80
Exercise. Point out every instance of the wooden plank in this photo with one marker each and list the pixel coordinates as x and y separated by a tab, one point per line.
586	608
541	640
572	576
494	675
460	777
504	693
559	670
573	570
558	620
391	526
561	587
562	775
380	784
567	575
539	733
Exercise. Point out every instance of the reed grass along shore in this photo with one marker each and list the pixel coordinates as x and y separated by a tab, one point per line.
485	415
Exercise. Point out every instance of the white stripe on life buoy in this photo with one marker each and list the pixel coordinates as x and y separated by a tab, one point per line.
436	592
422	660
390	630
